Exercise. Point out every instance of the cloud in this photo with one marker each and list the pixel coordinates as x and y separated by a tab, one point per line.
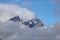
57	27
8	29
57	2
18	31
54	1
8	11
13	1
57	32
12	31
26	4
26	33
57	37
9	1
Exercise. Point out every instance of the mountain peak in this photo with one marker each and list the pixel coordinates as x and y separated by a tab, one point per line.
33	22
15	19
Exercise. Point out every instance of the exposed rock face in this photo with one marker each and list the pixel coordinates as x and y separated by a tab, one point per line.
33	23
15	19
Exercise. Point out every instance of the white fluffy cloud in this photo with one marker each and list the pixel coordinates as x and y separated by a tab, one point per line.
8	11
9	29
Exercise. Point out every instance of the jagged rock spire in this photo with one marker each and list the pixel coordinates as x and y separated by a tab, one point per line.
15	19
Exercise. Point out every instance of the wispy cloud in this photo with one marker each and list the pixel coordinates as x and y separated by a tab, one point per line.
57	2
13	1
26	4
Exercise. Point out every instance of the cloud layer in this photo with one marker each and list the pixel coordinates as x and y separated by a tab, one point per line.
9	11
10	30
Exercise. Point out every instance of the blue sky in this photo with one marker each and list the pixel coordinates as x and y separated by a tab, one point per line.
43	9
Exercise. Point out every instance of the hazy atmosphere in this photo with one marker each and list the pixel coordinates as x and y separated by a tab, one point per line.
29	19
